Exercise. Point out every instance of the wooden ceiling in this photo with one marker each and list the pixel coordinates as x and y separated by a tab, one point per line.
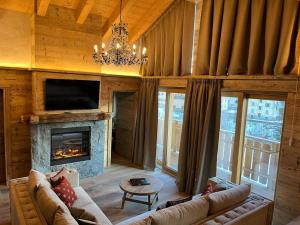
138	14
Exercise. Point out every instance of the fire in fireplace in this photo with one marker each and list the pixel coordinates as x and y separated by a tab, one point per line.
70	145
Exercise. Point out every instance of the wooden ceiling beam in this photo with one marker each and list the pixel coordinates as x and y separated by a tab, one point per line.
83	10
147	20
42	7
114	17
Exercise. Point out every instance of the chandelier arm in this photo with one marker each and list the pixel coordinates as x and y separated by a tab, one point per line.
120	11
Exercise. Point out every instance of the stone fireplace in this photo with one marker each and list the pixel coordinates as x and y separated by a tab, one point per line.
79	145
70	145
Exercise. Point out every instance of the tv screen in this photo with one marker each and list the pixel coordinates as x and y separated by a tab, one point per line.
71	94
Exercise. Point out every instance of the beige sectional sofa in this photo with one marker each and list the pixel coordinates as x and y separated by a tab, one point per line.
34	203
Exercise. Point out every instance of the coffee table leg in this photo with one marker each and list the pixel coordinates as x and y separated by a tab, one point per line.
149	202
123	200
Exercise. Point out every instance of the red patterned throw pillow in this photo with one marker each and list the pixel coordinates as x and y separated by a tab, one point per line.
56	179
65	192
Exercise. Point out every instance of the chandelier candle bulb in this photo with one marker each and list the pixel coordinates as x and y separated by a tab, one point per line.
144	51
103	45
95	48
134	46
118	45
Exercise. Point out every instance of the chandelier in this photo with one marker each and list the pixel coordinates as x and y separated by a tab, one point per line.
119	52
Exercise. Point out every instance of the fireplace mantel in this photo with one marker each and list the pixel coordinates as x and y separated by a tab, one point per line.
68	117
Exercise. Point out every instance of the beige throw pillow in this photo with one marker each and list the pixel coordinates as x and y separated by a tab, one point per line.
63	218
182	214
49	203
35	179
224	199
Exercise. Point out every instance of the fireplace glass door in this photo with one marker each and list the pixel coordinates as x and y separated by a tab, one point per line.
70	145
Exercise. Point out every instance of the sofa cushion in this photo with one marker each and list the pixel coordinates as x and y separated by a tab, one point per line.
236	213
85	202
224	199
35	179
257	216
63	218
182	214
49	203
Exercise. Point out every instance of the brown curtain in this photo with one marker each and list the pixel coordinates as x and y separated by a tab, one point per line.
170	41
200	133
144	149
247	37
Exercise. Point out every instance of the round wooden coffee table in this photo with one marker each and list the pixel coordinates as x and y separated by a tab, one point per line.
146	190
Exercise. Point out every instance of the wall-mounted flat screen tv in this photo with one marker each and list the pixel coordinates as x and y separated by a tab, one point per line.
63	94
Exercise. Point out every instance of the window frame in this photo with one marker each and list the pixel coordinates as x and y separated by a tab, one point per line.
243	97
167	136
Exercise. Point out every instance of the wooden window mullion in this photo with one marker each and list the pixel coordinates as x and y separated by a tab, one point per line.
237	155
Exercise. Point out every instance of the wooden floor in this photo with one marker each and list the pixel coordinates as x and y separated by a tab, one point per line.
4	205
105	191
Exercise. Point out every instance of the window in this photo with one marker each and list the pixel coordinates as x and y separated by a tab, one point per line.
226	136
249	143
170	118
160	126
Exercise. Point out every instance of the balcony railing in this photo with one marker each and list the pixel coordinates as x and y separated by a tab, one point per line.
260	160
175	136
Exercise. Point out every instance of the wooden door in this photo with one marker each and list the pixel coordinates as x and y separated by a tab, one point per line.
125	114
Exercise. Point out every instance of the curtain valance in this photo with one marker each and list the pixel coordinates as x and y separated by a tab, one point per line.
170	41
247	37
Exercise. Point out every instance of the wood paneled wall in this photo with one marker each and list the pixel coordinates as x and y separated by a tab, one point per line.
63	44
287	205
2	147
15	41
16	86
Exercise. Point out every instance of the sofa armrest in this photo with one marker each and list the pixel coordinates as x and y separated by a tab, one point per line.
72	176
